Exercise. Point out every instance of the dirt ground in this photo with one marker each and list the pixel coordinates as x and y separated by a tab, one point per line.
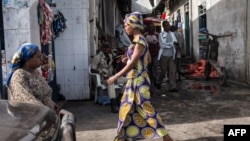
198	112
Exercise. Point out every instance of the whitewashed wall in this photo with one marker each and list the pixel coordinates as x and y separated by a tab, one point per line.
225	17
232	50
71	50
20	26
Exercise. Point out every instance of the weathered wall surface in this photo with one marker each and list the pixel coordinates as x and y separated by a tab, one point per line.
225	17
229	17
20	25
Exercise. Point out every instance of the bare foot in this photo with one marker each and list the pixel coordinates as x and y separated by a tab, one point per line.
167	138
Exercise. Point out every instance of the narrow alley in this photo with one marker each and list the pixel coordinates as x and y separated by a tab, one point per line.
196	113
71	34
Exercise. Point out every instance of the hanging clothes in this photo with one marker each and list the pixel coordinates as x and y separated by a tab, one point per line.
59	23
45	19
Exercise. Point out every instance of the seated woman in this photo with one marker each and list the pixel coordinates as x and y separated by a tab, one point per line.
24	80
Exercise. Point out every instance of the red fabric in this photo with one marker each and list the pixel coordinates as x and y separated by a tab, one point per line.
46	24
163	15
198	69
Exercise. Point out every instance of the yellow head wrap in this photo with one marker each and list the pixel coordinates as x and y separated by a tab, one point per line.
135	20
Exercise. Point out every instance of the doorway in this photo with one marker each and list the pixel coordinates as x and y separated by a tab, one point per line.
202	24
202	17
187	34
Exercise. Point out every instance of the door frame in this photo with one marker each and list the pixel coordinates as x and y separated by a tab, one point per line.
187	35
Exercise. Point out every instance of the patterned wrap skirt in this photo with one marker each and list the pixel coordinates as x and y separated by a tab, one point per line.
138	118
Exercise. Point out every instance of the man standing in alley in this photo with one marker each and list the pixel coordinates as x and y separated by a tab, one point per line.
166	57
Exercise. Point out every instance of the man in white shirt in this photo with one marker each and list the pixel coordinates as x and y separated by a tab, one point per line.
166	57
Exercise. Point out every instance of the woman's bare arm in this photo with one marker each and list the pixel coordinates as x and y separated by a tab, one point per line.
138	50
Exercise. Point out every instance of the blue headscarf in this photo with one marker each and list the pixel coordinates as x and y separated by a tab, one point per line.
22	54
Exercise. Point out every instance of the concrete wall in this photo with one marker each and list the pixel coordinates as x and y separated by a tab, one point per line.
230	20
225	17
93	14
20	25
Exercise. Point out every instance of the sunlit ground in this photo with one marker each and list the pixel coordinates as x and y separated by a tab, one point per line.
196	131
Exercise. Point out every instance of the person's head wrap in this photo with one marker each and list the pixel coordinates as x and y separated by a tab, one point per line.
135	20
22	54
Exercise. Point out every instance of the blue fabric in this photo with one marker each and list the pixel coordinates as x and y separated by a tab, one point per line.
21	55
104	100
203	30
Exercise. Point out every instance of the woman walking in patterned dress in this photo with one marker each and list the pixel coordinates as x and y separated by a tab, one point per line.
137	117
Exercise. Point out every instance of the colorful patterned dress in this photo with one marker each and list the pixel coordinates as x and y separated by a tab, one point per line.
137	117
